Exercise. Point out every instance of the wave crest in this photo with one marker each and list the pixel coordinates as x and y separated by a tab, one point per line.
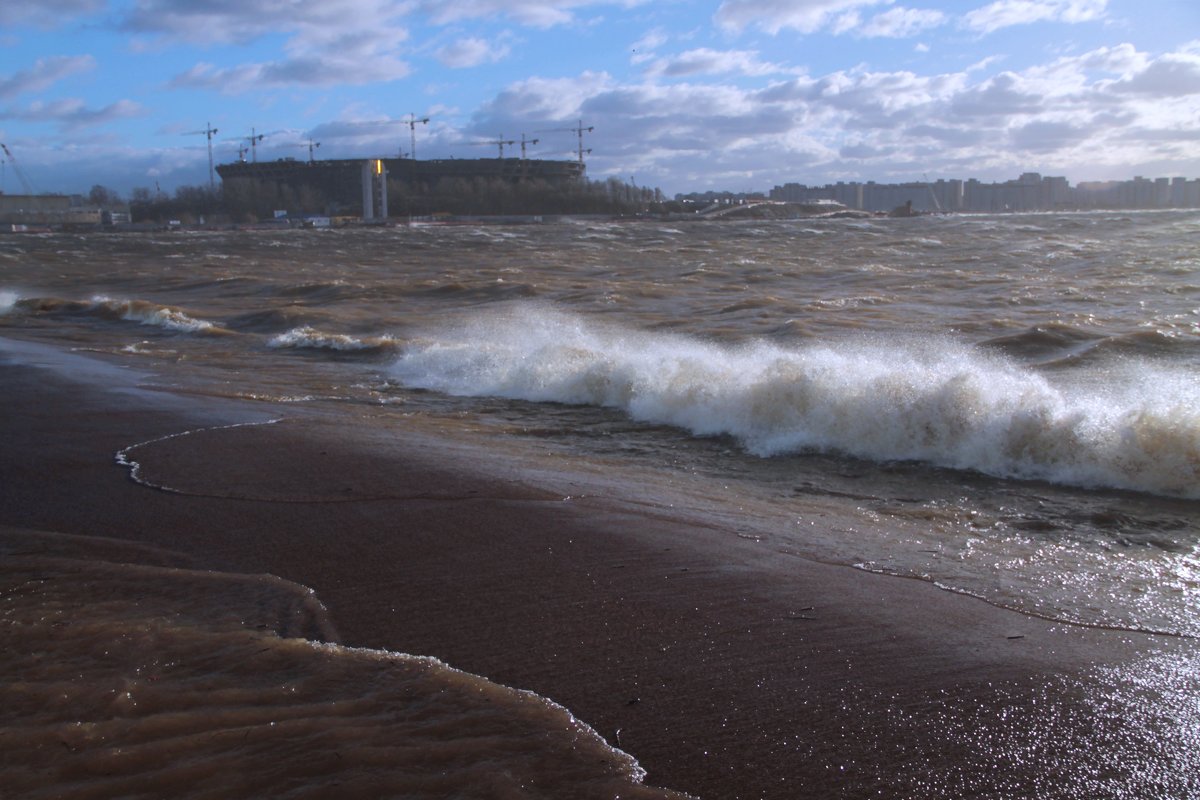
307	337
935	401
140	311
148	313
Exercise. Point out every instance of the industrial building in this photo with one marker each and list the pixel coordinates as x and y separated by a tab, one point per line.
359	186
46	210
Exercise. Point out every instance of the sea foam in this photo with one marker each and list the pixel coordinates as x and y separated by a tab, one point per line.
934	400
154	314
307	337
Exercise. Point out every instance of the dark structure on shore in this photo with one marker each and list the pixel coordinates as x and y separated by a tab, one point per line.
337	185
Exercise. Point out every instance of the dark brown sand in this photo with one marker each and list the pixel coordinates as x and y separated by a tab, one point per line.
726	667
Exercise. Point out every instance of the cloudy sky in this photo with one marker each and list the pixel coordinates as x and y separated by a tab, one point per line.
685	95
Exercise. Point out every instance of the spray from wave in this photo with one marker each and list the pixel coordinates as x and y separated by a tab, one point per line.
1130	426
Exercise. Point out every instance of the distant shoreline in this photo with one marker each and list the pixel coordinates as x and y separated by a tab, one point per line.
773	211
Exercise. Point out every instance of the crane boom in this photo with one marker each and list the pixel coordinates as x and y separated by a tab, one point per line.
524	142
412	122
501	142
208	132
578	130
25	184
253	139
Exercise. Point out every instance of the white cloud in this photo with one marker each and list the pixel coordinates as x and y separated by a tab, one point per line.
1007	13
900	23
330	42
1173	75
73	113
540	102
844	23
643	49
704	61
44	73
1005	95
46	13
772	16
534	13
983	63
471	51
708	114
304	71
1075	112
835	16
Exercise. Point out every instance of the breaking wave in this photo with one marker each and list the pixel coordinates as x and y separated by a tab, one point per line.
1129	426
307	337
147	313
141	311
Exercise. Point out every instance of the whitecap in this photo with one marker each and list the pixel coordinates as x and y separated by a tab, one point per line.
152	314
307	337
935	400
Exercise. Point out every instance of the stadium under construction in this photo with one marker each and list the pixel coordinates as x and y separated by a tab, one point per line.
348	185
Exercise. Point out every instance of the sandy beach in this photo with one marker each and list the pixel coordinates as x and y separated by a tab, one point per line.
726	666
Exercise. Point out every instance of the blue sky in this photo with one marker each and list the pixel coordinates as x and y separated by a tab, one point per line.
686	96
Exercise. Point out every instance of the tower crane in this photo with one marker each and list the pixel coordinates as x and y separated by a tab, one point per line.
412	122
524	142
25	184
578	130
311	145
253	139
501	142
208	132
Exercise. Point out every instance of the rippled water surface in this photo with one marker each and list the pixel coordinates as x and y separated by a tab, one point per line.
156	681
1005	405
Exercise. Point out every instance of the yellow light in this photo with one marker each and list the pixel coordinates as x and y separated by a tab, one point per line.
379	166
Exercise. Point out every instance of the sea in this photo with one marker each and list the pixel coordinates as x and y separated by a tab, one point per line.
1005	406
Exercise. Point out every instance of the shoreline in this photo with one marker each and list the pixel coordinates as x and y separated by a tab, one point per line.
725	666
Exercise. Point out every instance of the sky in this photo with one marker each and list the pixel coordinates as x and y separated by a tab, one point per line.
737	95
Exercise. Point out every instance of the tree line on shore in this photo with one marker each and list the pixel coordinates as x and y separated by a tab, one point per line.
249	200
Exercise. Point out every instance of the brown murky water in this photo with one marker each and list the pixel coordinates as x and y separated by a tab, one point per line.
158	681
1002	405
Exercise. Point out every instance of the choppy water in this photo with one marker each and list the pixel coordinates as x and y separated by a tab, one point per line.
1004	405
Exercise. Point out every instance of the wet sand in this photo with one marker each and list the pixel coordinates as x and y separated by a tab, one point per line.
725	665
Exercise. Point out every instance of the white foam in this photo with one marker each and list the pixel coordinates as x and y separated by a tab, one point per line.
8	300
936	401
153	314
123	456
309	337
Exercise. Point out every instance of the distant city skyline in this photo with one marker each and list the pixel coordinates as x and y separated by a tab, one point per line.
1030	191
682	95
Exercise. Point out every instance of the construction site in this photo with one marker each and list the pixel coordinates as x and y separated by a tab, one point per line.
368	189
363	186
